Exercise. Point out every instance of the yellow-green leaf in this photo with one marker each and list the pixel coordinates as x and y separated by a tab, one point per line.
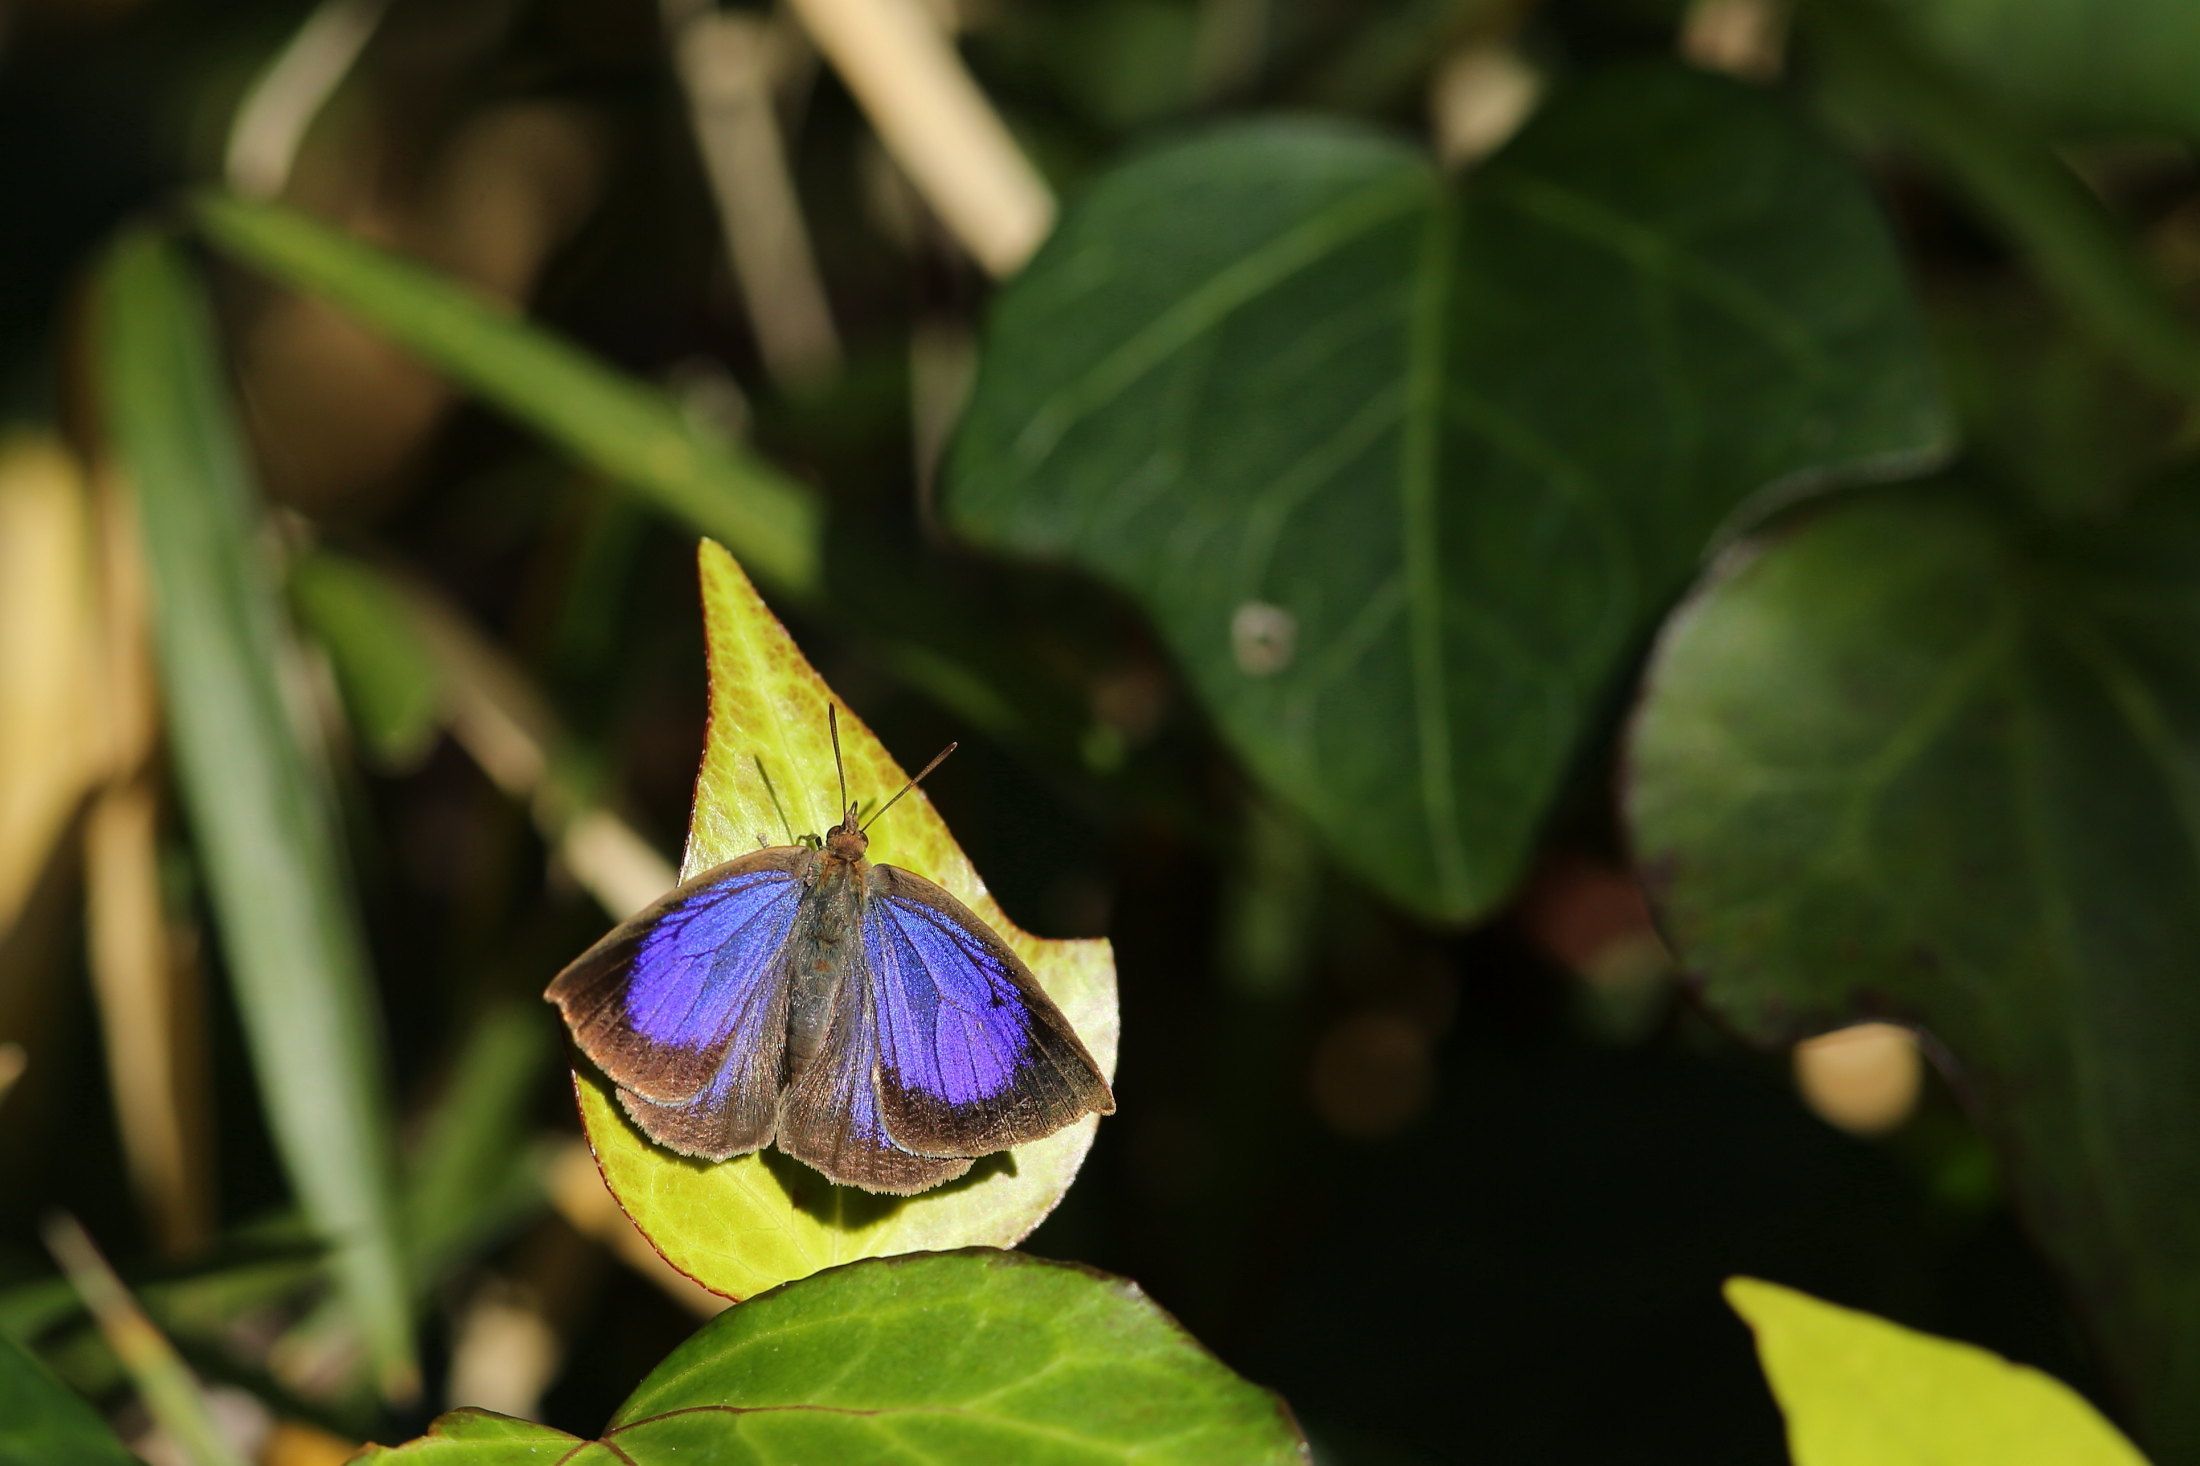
744	1225
1860	1391
469	1437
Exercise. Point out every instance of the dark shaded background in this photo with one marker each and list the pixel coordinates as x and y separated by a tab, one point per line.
1451	1198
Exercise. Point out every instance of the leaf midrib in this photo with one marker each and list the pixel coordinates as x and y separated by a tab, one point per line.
1427	342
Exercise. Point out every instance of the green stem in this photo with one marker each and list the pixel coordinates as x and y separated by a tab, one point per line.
171	1393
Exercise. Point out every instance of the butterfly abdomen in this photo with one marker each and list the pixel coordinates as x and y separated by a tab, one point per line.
824	945
858	1015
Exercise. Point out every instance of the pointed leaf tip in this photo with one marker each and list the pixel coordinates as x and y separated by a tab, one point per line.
741	1226
1858	1390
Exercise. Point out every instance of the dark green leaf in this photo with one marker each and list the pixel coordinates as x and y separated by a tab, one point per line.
262	823
930	1359
2082	255
2045	408
44	1423
1911	760
603	418
1405	471
2122	65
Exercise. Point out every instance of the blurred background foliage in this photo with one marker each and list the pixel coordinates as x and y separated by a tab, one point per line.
400	352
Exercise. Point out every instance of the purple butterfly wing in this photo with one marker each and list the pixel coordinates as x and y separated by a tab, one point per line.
829	1117
973	1056
684	1007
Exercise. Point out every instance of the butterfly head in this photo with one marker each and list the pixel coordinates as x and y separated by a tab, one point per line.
846	840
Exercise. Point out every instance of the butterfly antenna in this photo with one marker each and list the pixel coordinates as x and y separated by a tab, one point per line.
832	721
937	759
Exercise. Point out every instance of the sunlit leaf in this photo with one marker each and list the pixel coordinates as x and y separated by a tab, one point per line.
1404	470
265	834
1910	759
931	1360
744	1225
1860	1391
43	1422
479	1438
606	419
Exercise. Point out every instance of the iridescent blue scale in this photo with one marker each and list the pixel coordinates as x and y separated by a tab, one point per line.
856	1014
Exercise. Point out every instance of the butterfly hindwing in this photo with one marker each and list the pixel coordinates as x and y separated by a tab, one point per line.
859	1015
684	1007
972	1055
714	1127
829	1116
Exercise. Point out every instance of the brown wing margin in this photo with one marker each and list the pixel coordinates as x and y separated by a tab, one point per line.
1055	1080
666	1087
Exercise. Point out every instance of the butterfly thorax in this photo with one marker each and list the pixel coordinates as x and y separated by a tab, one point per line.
830	944
857	1015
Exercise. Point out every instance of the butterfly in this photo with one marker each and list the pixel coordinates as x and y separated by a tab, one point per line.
858	1015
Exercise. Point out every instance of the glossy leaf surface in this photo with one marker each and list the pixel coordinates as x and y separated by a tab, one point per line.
1912	760
928	1360
1405	470
744	1225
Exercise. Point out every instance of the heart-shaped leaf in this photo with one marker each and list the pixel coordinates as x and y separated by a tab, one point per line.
744	1225
1860	1391
931	1360
1405	470
1912	760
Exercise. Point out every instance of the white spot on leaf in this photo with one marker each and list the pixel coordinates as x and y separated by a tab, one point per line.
1263	638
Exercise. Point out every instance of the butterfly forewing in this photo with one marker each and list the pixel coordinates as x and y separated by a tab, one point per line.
684	1007
858	1014
973	1055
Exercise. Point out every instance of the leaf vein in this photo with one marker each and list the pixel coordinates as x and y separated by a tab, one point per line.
1657	253
1202	308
